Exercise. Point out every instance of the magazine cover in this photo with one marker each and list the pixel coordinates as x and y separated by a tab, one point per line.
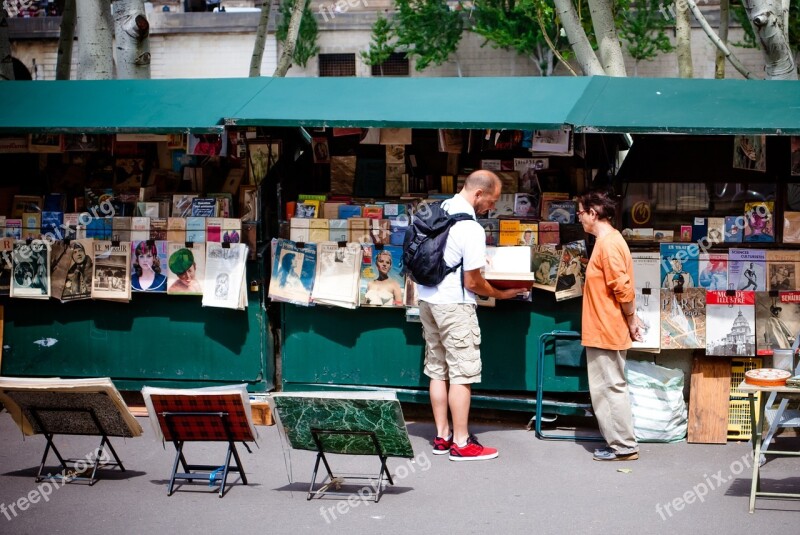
646	269
6	265
31	270
224	284
338	271
747	269
186	268
713	271
71	268
648	301
561	212
571	270
759	220
716	230
730	323
791	227
750	152
679	265
545	269
382	277
782	270
492	229
149	266
110	279
734	229
293	271
777	321
683	319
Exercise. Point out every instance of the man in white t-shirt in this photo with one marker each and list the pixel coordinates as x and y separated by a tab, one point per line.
450	325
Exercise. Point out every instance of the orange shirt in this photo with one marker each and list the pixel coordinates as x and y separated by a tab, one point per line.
609	282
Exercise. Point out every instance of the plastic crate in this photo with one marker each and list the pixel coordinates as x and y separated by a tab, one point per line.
739	425
738	368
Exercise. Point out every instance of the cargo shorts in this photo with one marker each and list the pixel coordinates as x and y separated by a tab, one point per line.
452	342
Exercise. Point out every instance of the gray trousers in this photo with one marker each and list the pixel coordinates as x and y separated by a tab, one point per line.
610	400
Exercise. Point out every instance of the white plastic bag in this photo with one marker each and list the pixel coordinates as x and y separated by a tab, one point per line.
659	410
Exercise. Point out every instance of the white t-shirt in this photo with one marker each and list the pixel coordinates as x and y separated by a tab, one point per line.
467	240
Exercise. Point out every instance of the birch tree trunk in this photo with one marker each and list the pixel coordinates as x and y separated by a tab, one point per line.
95	32
261	40
724	24
608	43
66	38
683	40
285	61
768	19
132	39
722	47
578	41
6	65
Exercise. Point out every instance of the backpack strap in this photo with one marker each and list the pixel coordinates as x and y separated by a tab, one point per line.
461	216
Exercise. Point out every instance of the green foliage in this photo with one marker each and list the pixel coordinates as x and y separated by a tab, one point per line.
427	30
643	28
382	45
306	47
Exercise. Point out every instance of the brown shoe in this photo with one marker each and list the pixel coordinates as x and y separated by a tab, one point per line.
608	455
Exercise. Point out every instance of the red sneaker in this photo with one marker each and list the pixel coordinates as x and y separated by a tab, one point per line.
473	451
441	446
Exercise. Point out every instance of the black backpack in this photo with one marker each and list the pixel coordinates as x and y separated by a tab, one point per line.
425	241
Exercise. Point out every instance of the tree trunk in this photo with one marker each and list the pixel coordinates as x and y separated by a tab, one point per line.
724	24
768	20
261	40
605	31
6	65
578	41
717	42
95	32
133	45
285	60
683	40
66	38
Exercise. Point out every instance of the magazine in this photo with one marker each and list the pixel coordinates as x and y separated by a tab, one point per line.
111	275
149	266
186	265
747	269
6	265
72	267
545	268
338	272
683	319
572	270
293	271
648	301
782	270
679	265
31	270
382	277
646	271
224	284
713	271
730	323
777	321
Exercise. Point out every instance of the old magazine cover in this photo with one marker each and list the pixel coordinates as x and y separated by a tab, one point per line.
338	272
186	268
224	281
72	267
149	266
31	270
713	274
111	276
747	269
777	321
648	302
382	277
683	319
782	270
6	265
293	272
730	323
572	270
545	269
679	265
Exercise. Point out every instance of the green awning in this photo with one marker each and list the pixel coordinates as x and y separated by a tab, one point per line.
688	106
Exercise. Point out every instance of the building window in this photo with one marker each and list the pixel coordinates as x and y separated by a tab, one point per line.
337	64
396	65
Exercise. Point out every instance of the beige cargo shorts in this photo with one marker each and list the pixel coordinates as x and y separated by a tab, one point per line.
452	342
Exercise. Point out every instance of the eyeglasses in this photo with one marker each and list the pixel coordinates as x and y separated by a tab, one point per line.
580	212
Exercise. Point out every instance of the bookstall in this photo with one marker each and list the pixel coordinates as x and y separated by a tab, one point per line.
683	136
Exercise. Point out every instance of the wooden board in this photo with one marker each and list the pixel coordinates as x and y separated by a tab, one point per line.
709	399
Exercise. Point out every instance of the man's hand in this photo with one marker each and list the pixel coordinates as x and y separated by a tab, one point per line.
511	292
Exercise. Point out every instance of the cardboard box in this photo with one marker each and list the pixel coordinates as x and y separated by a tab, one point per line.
262	415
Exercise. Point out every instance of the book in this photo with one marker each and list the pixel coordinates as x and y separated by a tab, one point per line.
359	230
663	235
549	197
716	230
782	270
176	229
185	268
72	270
140	228
646	269
99	228
318	230
147	209
299	230
346	211
713	271
777	321
747	269
224	204
13	228
372	211
791	227
204	207
380	231
120	229
759	221
337	276
382	279
491	228
683	319
545	268
526	205
527	169
214	229
158	228
734	229
224	283
112	270
679	265
699	229
31	270
572	270
26	204
31	225
6	265
337	230
52	224
730	323
648	310
503	207
196	229
561	211
232	230
293	272
516	232
182	204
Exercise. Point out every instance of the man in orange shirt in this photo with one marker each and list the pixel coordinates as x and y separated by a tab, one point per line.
609	323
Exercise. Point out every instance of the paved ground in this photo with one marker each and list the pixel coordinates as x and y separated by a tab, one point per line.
535	486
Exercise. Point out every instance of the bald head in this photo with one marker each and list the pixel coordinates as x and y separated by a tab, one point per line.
482	179
481	190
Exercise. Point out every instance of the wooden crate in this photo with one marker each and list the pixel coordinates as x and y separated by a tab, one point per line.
262	415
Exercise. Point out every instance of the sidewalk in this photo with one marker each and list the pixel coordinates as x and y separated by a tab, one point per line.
535	486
